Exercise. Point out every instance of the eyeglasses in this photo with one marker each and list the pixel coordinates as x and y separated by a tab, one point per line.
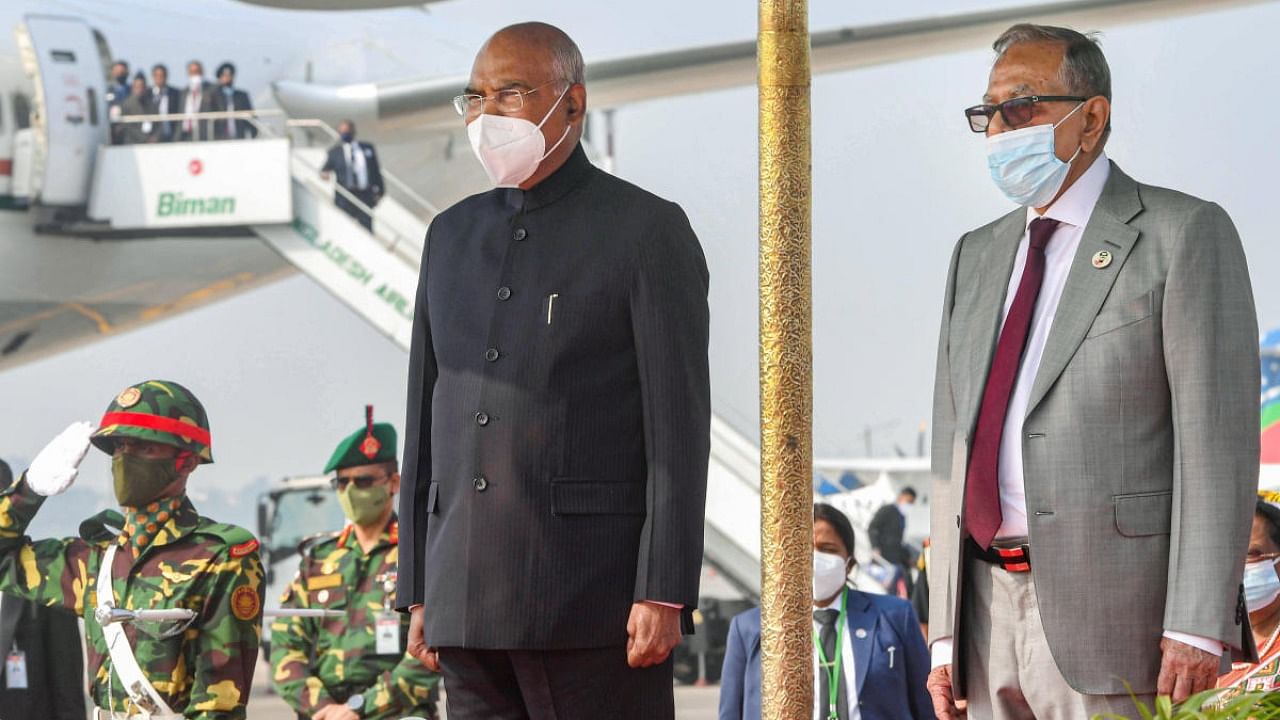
363	482
507	101
1015	112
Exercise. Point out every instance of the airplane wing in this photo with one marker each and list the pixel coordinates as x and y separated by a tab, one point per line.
425	103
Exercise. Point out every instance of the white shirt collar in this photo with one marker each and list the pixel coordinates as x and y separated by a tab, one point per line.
1075	206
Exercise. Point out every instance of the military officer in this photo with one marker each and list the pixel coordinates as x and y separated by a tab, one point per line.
157	554
353	666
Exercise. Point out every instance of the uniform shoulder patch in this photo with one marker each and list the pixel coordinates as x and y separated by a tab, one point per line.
245	603
244	548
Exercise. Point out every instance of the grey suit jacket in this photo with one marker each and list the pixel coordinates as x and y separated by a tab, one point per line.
1140	446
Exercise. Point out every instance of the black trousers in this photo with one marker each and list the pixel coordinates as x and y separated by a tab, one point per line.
350	208
592	684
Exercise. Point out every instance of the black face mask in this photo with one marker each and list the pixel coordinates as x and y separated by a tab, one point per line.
121	77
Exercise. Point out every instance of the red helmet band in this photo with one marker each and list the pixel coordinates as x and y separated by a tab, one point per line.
157	423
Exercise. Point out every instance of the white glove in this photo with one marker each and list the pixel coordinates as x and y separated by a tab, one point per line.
57	465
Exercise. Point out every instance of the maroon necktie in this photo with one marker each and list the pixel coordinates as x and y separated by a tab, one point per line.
982	488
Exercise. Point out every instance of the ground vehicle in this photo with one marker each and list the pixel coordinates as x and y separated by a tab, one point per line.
292	510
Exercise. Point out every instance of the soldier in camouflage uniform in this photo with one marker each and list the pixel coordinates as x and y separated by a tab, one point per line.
165	557
352	666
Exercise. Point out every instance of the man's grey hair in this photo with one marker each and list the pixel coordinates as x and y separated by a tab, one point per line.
1084	69
566	58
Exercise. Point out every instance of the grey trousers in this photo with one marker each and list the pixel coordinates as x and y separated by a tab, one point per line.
1012	673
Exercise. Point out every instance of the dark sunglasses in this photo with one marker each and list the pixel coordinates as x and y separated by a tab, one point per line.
364	482
1016	112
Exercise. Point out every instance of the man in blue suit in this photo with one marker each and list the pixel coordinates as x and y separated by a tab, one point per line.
879	663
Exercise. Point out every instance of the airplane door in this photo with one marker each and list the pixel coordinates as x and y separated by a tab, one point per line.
69	115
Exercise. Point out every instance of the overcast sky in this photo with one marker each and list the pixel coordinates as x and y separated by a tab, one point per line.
286	370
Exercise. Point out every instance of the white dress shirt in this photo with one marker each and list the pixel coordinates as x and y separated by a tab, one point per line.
1073	210
847	667
356	164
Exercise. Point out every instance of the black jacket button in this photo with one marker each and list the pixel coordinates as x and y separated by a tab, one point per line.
491	354
520	234
481	483
482	419
504	293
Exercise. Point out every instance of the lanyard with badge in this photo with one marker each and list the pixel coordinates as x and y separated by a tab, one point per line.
387	626
832	667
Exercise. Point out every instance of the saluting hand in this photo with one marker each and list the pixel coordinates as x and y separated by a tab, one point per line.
417	645
653	631
57	465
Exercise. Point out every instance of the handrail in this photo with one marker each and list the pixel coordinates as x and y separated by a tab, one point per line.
392	246
211	115
391	178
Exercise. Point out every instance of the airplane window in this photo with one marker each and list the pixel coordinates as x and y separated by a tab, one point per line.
63	56
92	96
21	110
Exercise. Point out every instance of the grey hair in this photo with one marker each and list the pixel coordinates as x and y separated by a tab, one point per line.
566	58
1084	69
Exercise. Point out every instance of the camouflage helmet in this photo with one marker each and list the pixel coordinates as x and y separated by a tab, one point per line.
158	411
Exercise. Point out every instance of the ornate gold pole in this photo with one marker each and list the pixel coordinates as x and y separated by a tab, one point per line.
786	363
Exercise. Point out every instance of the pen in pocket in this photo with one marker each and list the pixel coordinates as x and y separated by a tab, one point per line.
551	304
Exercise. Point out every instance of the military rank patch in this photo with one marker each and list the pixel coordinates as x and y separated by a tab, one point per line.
239	551
129	397
321	582
370	447
244	603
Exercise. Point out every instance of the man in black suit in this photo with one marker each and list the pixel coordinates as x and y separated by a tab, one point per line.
356	165
165	99
558	415
199	97
889	525
43	671
227	99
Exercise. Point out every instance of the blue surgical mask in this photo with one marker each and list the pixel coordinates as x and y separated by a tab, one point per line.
1025	166
1261	584
348	137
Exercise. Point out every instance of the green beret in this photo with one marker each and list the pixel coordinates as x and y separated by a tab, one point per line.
373	443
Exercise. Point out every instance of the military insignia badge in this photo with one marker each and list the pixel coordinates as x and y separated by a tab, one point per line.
370	447
239	551
129	397
244	603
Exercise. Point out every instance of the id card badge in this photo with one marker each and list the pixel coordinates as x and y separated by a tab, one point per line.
15	670
387	633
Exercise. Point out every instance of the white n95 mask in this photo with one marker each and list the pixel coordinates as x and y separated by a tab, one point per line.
1025	166
829	574
511	148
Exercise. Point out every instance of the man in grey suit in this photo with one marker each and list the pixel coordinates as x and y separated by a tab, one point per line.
555	460
1095	445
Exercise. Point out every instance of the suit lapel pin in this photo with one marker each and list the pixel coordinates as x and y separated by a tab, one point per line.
1101	259
860	633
